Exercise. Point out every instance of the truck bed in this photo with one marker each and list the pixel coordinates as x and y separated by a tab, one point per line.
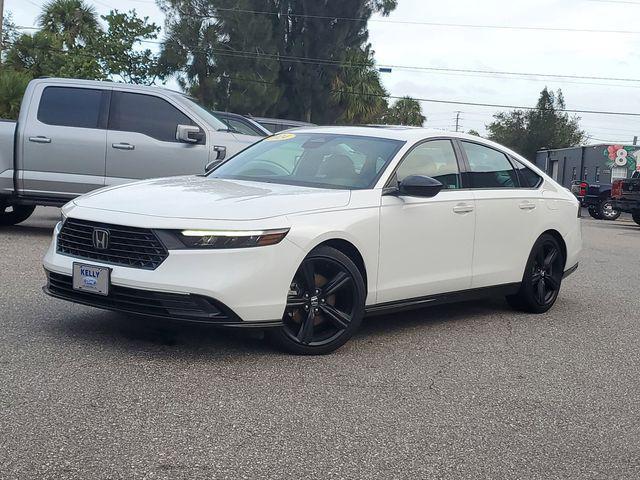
7	138
626	194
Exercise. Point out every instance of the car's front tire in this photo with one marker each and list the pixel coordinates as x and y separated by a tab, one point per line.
542	277
325	304
636	217
14	214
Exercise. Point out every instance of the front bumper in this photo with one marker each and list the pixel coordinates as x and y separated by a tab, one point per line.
231	287
628	206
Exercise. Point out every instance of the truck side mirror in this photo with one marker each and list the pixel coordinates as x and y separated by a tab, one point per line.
189	134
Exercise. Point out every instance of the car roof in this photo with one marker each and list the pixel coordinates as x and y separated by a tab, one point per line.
281	121
393	132
109	84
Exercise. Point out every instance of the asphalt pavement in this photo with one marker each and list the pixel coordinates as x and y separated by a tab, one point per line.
472	390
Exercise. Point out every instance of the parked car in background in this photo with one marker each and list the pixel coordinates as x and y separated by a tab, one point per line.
306	231
73	136
275	125
241	124
626	196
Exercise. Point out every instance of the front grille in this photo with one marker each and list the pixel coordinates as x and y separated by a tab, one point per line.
132	300
128	246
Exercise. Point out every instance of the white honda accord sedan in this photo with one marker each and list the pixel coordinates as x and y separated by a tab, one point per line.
304	233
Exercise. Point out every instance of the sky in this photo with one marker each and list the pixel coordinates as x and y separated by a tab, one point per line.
402	39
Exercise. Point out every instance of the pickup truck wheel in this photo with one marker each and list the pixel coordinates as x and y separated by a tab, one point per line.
14	214
595	213
636	217
608	211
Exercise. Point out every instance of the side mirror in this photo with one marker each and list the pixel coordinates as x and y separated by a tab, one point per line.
189	134
420	186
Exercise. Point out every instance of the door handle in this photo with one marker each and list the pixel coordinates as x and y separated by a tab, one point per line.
463	208
123	146
40	139
221	152
527	206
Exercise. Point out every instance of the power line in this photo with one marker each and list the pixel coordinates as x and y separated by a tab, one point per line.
440	70
412	22
338	63
427	100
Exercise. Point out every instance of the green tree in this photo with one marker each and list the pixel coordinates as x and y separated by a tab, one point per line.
473	132
116	47
265	62
405	111
545	127
12	87
74	22
358	91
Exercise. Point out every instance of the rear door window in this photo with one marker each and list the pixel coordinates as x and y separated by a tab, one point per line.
71	107
146	114
489	168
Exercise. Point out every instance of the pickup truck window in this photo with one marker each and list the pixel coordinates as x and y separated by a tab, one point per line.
70	107
146	114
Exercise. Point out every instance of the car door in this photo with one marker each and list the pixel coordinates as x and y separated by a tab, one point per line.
141	140
64	141
426	244
507	214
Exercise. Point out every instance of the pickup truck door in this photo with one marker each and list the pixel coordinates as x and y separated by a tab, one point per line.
141	140
63	141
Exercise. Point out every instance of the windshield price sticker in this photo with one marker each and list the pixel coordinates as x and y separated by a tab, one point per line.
280	137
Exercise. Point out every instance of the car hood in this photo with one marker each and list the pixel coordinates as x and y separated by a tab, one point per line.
212	198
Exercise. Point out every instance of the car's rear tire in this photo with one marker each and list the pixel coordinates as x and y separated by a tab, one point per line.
325	304
608	211
636	217
14	214
542	277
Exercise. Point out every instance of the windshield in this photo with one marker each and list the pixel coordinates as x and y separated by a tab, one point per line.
312	159
213	121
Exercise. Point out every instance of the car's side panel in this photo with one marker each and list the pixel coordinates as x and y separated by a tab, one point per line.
508	223
426	245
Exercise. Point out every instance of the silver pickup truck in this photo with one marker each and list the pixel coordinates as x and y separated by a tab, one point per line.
73	136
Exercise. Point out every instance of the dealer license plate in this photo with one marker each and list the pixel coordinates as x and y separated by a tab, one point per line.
92	279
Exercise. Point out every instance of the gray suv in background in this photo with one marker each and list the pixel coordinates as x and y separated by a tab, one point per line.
73	136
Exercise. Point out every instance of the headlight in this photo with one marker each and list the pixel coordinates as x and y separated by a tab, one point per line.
231	238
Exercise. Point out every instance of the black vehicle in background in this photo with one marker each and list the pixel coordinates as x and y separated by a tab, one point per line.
596	198
626	196
599	203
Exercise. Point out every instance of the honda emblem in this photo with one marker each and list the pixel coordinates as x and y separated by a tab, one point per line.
100	238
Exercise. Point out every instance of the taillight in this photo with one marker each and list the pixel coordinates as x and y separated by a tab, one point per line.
583	189
616	189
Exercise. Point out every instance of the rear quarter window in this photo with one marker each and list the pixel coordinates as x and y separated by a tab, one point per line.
71	107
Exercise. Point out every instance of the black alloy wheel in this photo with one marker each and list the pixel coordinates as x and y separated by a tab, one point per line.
542	278
14	214
325	304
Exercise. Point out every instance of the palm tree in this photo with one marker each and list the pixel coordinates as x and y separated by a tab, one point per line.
358	91
73	21
406	111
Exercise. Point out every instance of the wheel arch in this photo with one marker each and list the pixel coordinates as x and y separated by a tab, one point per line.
351	251
560	239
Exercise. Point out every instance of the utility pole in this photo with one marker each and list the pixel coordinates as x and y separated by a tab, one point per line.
457	118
